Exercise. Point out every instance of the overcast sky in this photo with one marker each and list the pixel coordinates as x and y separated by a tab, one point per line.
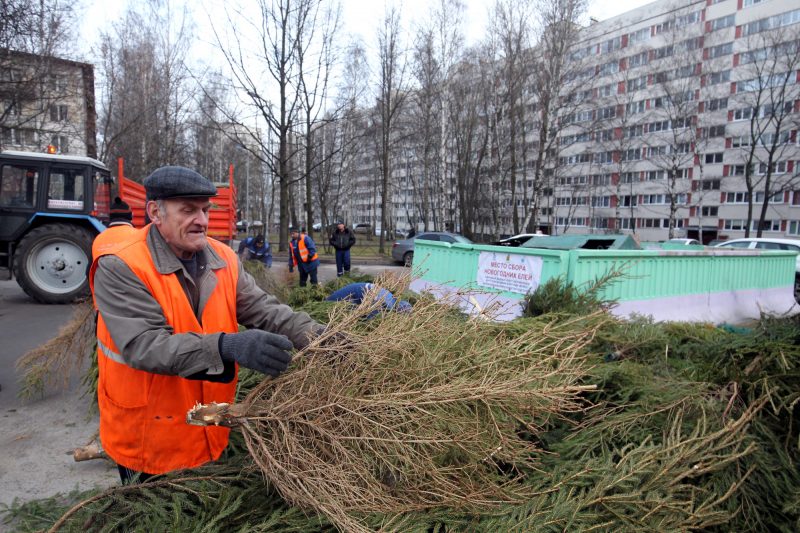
360	16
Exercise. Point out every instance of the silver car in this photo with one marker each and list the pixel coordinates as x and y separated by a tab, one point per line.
403	251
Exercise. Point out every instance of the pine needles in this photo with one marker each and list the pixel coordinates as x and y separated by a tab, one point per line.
422	412
52	363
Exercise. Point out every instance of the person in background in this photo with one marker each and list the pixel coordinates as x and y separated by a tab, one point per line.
303	255
354	293
342	239
256	249
120	226
411	233
170	302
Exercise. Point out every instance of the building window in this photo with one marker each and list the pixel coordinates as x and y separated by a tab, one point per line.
714	158
716	104
654	199
58	113
664	51
607	112
61	144
736	197
639	36
630	177
710	185
637	83
723	22
638	60
632	154
718	77
636	107
769	23
794	227
633	131
737	142
736	224
716	131
709	211
601	201
775	198
778	167
653	175
767	225
720	50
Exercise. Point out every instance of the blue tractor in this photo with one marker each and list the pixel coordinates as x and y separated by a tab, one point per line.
51	208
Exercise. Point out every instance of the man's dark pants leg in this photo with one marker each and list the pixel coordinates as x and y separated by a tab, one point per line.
340	262
346	261
313	275
129	476
303	277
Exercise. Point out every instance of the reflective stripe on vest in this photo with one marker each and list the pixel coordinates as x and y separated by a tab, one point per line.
111	354
142	415
301	247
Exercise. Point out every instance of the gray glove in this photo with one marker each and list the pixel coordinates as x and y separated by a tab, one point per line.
258	350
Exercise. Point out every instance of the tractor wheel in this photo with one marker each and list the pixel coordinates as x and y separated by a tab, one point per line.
51	262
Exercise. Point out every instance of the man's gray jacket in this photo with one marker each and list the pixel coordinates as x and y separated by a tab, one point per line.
138	326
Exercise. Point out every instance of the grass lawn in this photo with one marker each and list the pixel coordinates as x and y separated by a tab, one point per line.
363	247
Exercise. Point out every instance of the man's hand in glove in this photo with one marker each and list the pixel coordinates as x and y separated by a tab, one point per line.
258	350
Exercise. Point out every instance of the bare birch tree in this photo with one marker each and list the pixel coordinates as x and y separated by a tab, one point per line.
391	95
262	52
765	100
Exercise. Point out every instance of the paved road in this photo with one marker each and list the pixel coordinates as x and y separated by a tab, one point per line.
24	324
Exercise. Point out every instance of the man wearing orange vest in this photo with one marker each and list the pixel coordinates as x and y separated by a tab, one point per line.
170	302
303	255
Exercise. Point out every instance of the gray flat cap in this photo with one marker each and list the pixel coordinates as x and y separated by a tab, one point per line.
177	182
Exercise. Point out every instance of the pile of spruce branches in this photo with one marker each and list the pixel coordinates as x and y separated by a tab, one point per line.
657	426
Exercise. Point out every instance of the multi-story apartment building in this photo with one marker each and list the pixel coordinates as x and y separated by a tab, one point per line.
46	101
678	118
691	108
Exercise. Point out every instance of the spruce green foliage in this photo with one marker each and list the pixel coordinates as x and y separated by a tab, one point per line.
692	428
557	295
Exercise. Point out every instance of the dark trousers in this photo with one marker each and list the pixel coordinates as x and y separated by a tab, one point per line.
305	275
342	262
129	476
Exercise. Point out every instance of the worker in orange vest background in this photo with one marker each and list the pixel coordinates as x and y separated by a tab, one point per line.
170	302
303	255
120	226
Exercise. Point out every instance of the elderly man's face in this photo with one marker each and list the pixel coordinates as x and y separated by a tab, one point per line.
183	222
340	227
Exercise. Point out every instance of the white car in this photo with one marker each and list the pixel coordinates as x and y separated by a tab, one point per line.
756	243
517	240
684	241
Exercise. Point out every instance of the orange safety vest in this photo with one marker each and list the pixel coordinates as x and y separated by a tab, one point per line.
301	245
143	415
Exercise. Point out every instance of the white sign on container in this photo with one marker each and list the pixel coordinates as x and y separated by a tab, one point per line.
509	272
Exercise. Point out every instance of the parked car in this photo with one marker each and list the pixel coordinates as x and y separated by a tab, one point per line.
403	250
762	243
516	240
362	228
684	241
